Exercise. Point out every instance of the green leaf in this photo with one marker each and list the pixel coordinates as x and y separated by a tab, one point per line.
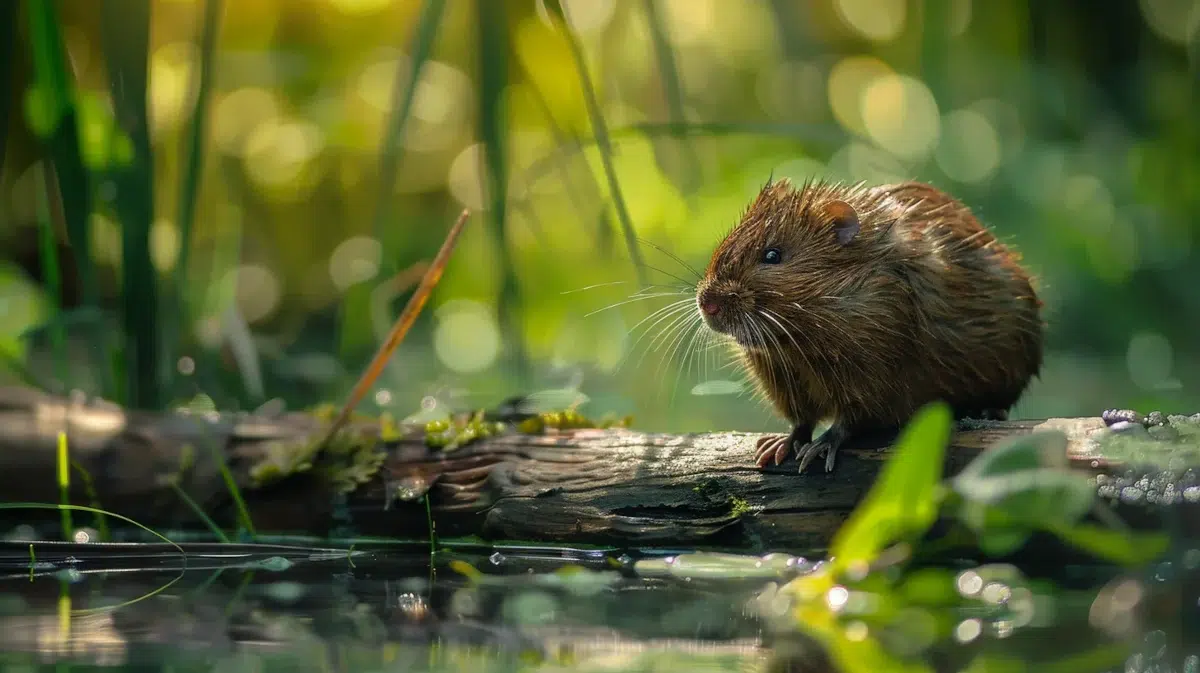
1037	450
1117	546
904	500
1015	488
1032	495
420	48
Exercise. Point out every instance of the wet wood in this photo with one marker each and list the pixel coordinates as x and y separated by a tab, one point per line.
607	487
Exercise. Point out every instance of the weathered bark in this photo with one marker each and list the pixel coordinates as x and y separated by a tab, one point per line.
583	487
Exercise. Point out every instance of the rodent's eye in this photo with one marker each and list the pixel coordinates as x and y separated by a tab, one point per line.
772	256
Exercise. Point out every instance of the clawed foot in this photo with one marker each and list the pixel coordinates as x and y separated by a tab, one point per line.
826	445
775	448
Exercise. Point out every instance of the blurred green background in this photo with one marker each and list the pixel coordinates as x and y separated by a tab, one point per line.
245	183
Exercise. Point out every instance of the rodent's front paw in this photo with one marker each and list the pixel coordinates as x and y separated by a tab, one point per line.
772	447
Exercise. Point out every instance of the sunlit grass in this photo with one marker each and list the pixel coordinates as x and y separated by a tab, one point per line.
600	131
125	33
193	171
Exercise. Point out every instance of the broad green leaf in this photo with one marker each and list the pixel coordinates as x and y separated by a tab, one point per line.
1030	496
1125	548
1038	450
904	500
850	654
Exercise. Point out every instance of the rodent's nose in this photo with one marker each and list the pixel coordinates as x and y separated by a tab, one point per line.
710	302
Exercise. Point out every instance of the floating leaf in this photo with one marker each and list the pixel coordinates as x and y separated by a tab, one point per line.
904	500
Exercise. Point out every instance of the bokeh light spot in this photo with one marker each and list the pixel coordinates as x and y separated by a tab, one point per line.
1150	359
584	16
465	178
848	80
360	7
256	291
355	260
1173	20
969	148
466	338
901	115
876	20
164	245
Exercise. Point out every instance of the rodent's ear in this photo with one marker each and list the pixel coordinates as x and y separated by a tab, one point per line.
844	220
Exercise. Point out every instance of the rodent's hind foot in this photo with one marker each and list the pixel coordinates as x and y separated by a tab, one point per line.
775	448
1113	416
827	445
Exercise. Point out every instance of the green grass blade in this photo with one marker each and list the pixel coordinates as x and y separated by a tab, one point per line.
827	137
603	224
668	71
493	50
390	151
199	512
126	38
51	274
51	111
63	463
600	131
193	154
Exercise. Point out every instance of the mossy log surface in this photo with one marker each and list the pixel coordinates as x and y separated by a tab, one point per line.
605	487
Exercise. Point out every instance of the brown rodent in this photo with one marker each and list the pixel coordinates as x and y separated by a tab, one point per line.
860	304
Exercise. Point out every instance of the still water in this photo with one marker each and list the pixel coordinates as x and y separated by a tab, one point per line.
473	607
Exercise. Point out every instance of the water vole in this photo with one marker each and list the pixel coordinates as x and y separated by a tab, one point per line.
859	304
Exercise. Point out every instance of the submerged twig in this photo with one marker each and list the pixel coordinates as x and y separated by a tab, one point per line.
400	328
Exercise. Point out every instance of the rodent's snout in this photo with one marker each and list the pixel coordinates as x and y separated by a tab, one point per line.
717	305
710	302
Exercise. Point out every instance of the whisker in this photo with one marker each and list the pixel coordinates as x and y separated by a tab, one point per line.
633	299
671	310
666	273
592	287
673	256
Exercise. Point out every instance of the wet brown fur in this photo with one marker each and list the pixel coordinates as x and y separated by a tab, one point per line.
923	303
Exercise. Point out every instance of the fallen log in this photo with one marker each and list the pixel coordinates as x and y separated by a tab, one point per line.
588	486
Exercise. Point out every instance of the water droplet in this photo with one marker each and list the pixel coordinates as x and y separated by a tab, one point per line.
496	558
383	397
274	563
1164	572
410	488
70	575
624	559
412	605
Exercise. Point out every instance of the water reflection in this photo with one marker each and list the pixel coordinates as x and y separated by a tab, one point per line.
508	608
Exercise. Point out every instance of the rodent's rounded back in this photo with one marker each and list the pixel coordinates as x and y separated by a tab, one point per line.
893	293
